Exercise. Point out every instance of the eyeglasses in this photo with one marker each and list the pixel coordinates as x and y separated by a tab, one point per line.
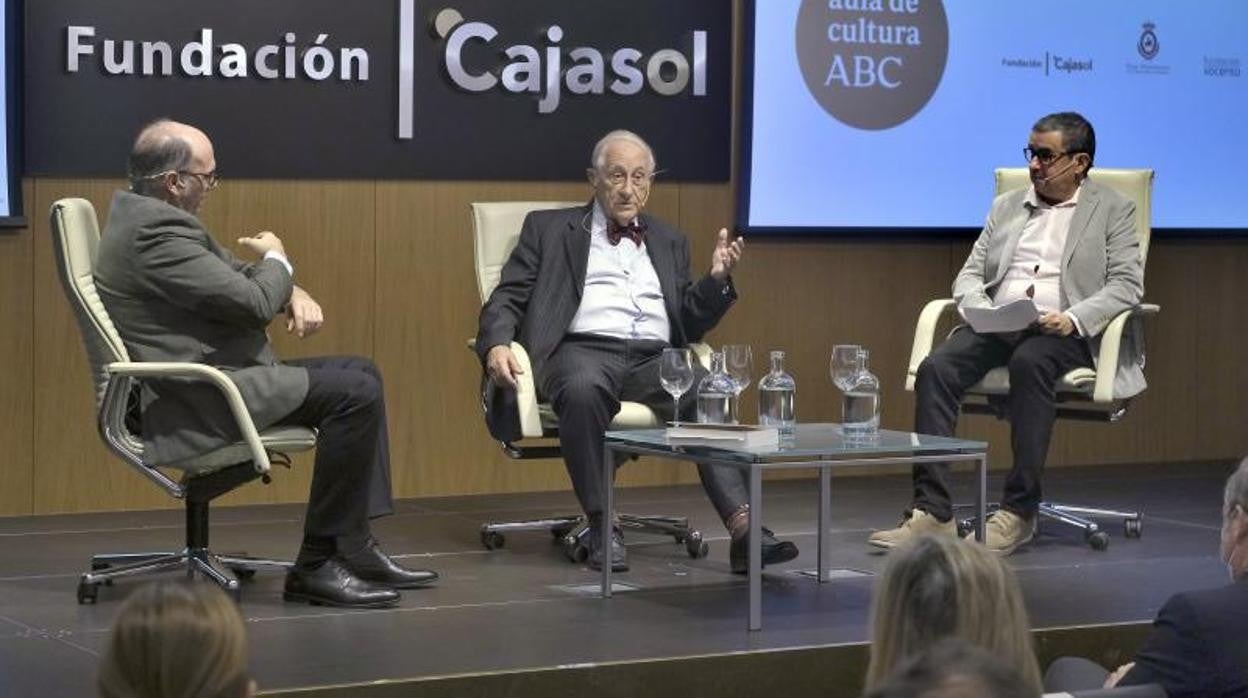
210	179
1044	155
639	178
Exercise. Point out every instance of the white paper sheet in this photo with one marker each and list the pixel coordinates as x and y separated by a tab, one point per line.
1010	317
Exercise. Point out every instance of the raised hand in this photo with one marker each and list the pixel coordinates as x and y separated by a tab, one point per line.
726	255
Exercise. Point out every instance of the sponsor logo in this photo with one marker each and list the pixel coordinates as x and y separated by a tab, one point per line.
872	64
1148	46
1052	63
1215	67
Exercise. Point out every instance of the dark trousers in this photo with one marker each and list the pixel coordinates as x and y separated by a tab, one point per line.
351	477
1036	361
585	380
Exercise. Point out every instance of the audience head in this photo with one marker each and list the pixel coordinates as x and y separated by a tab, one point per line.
176	640
938	587
621	171
1235	522
173	162
1063	146
953	668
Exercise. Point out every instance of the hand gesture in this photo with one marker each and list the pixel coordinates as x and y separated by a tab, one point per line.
262	242
1055	323
502	366
726	255
303	315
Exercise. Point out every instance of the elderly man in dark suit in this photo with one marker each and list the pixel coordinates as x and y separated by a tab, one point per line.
595	293
176	295
1071	246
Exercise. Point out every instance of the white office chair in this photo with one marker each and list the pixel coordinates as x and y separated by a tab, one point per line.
76	238
1084	393
496	230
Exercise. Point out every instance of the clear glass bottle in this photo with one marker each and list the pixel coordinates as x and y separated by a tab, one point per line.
860	407
715	394
776	392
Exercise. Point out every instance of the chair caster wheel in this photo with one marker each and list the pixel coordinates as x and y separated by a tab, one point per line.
87	593
576	552
492	540
1132	528
695	546
1098	540
965	527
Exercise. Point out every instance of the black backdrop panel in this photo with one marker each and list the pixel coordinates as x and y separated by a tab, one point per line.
82	122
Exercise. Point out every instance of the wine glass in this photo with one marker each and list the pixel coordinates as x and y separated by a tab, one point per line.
676	376
844	366
739	363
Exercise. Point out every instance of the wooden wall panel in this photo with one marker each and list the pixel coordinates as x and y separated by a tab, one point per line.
16	354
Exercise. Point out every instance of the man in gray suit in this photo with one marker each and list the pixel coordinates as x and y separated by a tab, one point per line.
595	293
1071	246
176	295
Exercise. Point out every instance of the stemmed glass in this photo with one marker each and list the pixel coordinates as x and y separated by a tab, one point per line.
739	364
676	376
844	365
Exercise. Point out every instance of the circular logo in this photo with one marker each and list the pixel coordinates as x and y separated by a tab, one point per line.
1148	46
872	64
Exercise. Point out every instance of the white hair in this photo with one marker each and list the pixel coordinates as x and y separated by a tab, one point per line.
1237	488
599	156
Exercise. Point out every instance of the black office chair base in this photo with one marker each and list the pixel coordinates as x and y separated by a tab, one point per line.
226	571
570	532
1081	518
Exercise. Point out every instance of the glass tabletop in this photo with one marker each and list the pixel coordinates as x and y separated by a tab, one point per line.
810	442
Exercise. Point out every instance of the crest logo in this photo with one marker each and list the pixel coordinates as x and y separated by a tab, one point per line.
1148	45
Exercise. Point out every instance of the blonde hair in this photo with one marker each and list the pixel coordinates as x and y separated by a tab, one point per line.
937	587
176	640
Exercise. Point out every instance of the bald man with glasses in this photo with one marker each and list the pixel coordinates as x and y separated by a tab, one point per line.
175	294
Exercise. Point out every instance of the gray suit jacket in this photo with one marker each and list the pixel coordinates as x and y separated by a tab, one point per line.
174	294
540	288
1101	271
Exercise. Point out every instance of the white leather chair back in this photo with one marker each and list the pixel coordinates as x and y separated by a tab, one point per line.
496	230
1135	184
75	240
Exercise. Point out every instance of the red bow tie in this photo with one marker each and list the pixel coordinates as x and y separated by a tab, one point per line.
634	231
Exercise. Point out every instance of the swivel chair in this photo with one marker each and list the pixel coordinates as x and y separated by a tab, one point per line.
76	238
1084	393
496	230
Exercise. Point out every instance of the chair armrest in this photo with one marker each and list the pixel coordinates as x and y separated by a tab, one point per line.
208	374
472	345
701	354
526	394
1111	345
925	335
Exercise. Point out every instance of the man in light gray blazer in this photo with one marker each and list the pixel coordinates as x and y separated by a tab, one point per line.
1071	246
175	294
595	293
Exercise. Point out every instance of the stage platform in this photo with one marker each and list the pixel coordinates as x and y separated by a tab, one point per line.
524	621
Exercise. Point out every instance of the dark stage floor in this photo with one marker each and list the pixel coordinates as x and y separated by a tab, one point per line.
525	606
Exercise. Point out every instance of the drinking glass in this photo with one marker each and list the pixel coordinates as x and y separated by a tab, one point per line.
739	363
844	365
676	376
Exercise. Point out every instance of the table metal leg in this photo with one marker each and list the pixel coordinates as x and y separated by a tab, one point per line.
608	517
756	548
981	495
825	523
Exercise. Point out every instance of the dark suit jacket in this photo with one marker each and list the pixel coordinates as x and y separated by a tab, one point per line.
539	292
174	294
1199	645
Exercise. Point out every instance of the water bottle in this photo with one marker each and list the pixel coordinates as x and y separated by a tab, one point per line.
775	397
860	408
715	394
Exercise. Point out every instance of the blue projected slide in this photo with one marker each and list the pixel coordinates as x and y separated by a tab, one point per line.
893	113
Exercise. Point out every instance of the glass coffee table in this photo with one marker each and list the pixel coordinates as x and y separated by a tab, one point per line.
819	446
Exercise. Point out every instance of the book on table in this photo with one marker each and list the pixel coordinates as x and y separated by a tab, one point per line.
747	435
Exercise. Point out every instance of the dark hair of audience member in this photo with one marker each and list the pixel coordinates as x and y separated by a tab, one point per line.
176	640
953	668
939	586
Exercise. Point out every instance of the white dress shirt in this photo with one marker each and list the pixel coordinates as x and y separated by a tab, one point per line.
1038	257
622	297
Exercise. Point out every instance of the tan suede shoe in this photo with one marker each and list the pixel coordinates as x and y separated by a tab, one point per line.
1005	531
917	523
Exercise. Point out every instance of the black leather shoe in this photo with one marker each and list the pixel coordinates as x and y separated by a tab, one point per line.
372	565
619	554
331	584
775	551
